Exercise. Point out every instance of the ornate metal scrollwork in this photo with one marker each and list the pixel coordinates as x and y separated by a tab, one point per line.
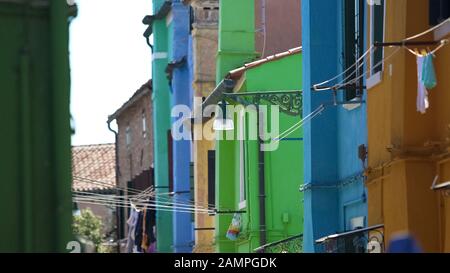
364	241
293	244
289	102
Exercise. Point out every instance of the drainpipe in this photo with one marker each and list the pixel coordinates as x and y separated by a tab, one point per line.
60	125
262	185
118	227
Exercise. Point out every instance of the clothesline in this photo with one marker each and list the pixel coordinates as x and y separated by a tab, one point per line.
126	200
317	87
127	204
149	192
161	195
299	124
134	191
427	31
338	86
147	206
138	192
361	61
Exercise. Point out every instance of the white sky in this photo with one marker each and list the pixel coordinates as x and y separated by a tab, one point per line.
109	59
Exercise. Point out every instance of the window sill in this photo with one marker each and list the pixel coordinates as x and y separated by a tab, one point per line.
442	32
374	80
352	106
242	205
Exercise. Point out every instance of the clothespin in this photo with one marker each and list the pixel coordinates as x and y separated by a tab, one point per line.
444	42
134	206
424	52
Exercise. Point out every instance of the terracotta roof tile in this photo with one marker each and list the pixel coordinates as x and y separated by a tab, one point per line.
93	163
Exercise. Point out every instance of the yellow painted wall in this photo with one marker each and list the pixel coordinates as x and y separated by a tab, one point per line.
401	167
204	45
204	239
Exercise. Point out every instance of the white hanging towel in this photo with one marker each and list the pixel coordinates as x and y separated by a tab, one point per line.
422	92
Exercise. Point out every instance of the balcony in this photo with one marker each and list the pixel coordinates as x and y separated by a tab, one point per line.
290	245
364	240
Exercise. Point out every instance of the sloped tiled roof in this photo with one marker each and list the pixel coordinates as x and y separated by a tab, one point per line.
93	167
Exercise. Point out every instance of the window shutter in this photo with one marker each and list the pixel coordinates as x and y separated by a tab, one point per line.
212	177
170	158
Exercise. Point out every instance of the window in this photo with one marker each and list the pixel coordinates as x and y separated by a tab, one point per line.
170	159
377	14
353	44
439	11
128	136
191	19
144	124
241	138
211	177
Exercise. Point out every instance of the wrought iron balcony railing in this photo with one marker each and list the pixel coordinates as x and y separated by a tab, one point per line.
364	240
290	245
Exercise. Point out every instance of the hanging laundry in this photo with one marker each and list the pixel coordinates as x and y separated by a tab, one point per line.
152	248
428	72
422	92
148	236
138	232
144	243
132	220
235	227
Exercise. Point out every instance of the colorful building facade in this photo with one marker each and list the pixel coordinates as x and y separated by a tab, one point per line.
263	219
266	183
161	98
204	39
179	74
334	190
408	150
35	141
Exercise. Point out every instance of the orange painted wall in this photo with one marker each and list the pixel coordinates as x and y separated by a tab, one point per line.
401	168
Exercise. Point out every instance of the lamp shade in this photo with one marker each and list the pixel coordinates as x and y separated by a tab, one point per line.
221	124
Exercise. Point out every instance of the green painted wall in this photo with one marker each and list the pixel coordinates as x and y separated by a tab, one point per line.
283	167
35	157
236	46
161	123
236	35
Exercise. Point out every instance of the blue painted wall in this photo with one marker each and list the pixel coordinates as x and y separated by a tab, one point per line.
182	223
332	139
161	124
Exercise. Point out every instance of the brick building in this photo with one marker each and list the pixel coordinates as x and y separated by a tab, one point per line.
135	143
